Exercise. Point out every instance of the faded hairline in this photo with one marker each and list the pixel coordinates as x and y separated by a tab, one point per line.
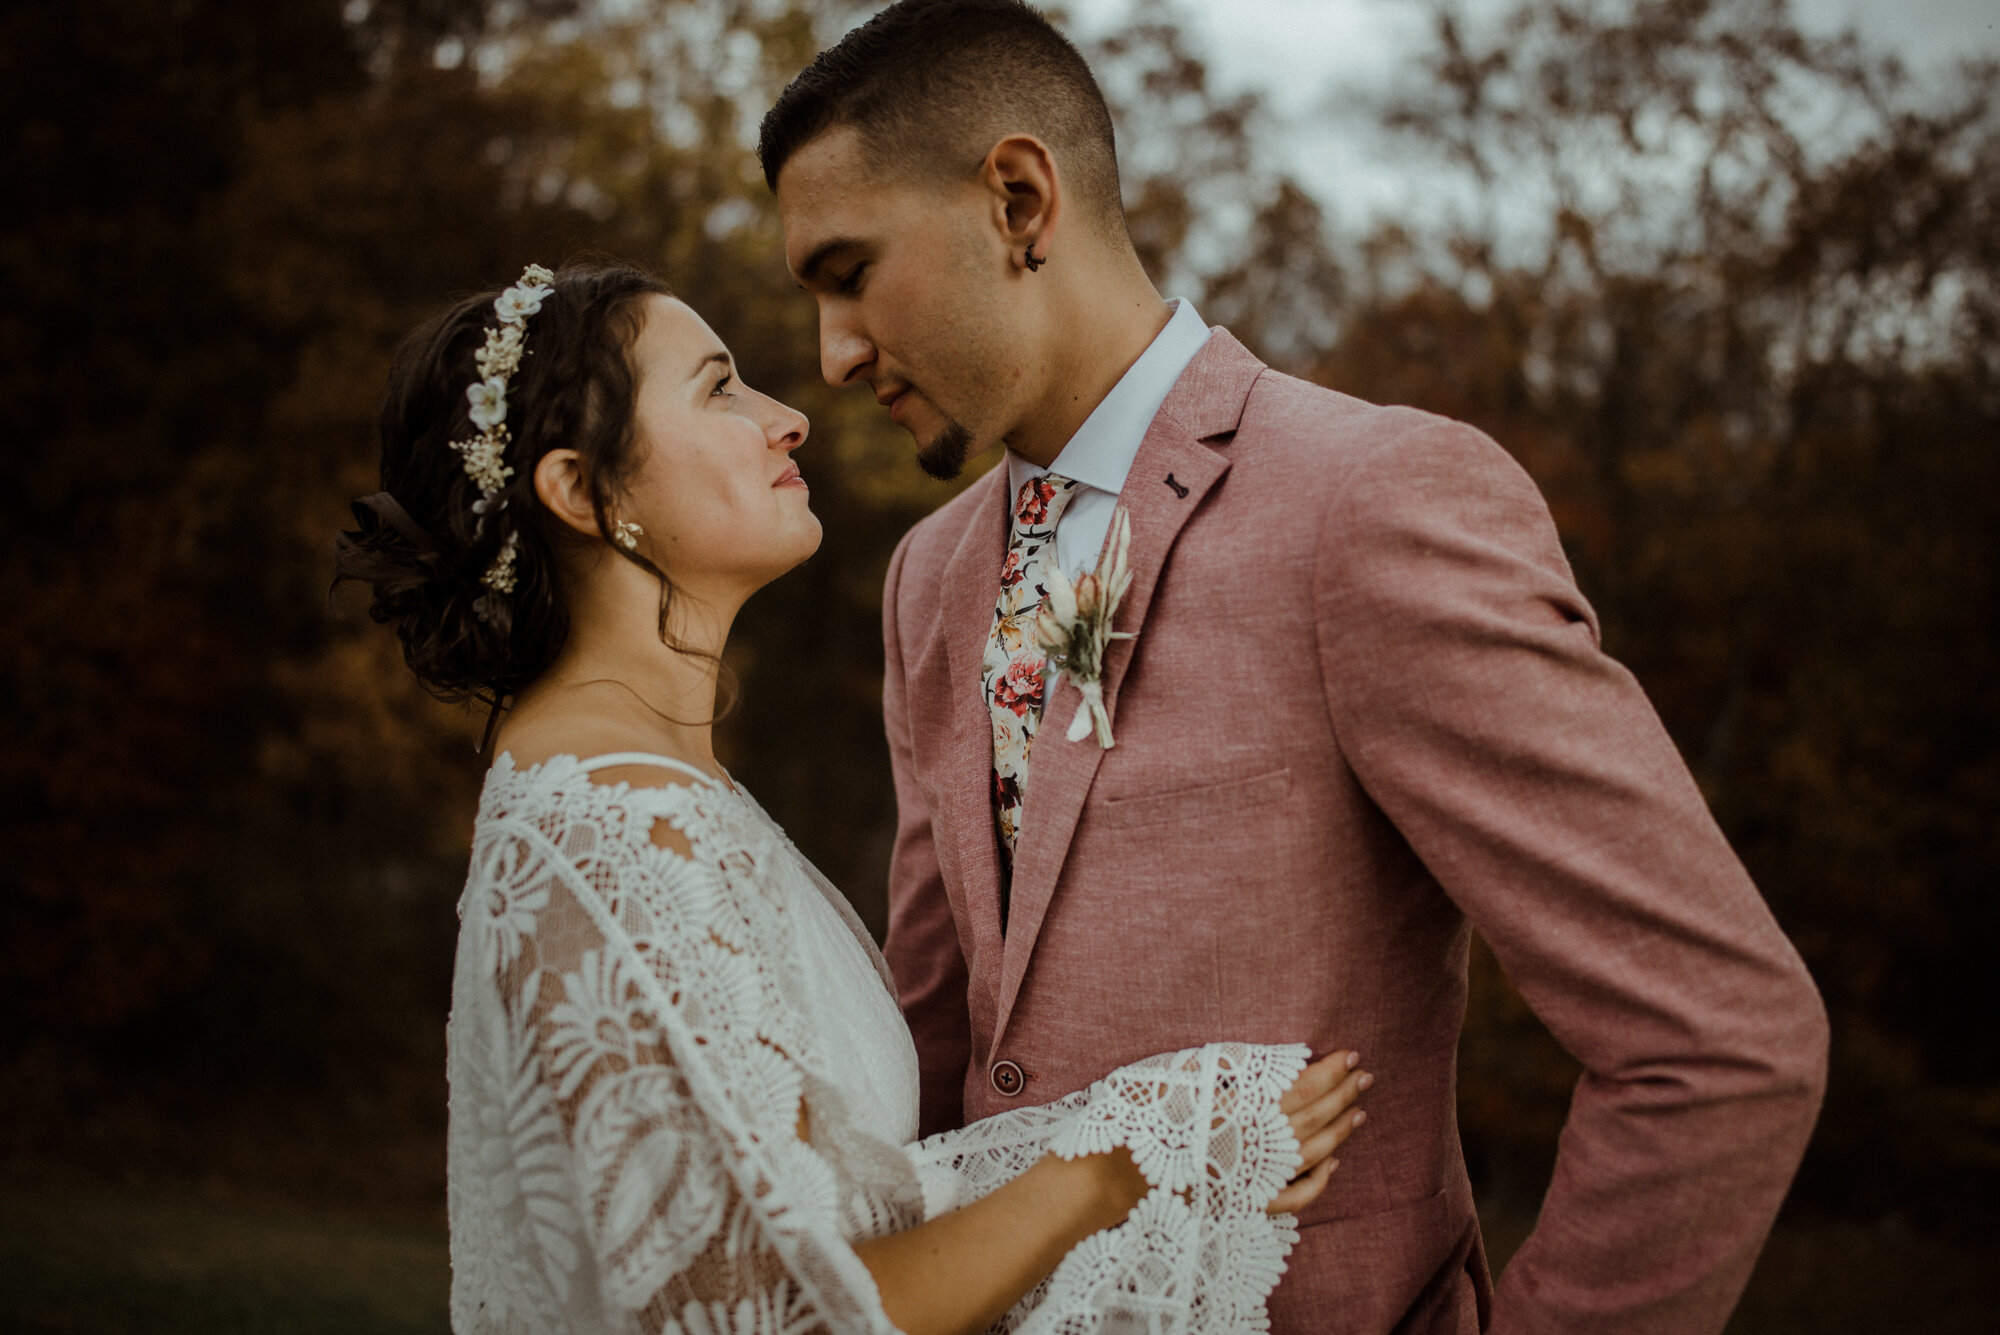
895	154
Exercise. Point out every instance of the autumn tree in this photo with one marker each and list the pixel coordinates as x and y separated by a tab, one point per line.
1731	293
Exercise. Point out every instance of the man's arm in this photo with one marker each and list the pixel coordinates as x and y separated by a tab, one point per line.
922	947
1531	775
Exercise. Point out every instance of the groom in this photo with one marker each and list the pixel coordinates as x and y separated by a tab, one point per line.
1364	712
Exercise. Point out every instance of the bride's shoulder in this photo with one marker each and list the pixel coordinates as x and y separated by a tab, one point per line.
599	739
579	760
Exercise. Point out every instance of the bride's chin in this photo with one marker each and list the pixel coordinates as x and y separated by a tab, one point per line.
809	541
797	546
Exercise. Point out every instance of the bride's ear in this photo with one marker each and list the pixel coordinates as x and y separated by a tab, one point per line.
563	489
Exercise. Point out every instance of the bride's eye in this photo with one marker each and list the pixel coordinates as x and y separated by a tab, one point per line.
722	386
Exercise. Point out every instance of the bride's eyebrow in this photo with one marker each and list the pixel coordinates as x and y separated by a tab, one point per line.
708	361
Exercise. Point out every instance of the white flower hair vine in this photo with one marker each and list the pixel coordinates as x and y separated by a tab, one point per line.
485	455
1073	627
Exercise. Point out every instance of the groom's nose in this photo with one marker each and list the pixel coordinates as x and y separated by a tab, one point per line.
843	351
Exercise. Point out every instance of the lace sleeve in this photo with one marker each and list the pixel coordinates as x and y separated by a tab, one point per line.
624	1154
1198	1255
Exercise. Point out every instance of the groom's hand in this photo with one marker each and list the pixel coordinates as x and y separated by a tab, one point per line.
1320	1104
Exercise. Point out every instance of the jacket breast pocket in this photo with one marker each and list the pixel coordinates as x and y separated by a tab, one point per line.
1184	805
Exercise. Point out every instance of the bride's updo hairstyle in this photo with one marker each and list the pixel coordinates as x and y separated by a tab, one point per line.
424	549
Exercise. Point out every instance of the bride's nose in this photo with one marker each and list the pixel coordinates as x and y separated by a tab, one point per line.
787	428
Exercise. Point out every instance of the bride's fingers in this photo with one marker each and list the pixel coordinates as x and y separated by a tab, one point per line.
1323	1143
1317	1080
1303	1191
1309	1119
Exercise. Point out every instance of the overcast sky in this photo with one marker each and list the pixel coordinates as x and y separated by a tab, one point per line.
1309	53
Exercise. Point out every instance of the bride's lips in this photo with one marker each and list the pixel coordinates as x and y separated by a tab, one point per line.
790	478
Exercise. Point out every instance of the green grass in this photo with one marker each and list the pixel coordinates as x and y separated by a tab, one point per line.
93	1260
106	1263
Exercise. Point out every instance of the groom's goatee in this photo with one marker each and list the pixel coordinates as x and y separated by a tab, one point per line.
944	458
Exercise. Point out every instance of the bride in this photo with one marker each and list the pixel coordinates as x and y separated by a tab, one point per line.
682	1096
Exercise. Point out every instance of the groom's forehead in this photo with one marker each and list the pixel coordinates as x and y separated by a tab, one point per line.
830	193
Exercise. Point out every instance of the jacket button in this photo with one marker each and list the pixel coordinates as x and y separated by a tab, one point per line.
1007	1078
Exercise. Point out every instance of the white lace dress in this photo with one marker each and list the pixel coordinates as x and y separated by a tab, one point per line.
635	1035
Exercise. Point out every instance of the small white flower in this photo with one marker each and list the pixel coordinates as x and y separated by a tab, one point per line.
501	356
486	460
516	304
489	402
536	276
499	576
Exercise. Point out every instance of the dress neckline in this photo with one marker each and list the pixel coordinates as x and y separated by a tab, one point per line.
609	759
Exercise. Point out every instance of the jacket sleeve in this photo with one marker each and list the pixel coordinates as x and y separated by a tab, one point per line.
922	946
1528	771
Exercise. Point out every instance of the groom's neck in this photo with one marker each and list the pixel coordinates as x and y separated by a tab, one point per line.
1099	317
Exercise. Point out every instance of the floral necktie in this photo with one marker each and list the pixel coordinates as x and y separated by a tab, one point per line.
1014	681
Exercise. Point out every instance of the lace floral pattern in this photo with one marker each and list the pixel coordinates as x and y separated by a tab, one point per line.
630	1056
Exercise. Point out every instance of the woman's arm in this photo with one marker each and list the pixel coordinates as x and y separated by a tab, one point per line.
962	1271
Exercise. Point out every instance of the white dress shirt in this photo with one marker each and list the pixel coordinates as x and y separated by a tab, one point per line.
1100	454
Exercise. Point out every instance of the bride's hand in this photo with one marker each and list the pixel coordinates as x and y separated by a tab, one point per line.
1320	1104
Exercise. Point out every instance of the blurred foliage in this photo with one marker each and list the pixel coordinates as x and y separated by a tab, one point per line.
1733	296
1729	293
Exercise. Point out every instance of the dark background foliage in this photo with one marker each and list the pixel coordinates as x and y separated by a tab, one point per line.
1731	294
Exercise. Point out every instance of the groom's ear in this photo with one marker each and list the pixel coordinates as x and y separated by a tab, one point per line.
1025	186
561	486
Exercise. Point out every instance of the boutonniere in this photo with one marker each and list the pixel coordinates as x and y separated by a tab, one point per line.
1073	626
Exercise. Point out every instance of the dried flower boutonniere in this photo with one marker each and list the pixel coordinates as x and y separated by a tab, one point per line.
1073	626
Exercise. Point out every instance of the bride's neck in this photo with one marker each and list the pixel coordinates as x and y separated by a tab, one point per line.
617	663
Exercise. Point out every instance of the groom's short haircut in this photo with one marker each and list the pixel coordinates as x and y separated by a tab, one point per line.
932	85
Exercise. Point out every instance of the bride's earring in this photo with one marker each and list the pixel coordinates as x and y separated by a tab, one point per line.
627	535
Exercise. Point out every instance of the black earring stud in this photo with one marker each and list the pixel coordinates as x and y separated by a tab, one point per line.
1032	261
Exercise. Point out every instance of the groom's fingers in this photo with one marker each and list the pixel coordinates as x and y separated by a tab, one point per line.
1317	1080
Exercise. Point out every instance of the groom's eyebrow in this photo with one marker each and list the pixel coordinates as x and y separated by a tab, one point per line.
821	253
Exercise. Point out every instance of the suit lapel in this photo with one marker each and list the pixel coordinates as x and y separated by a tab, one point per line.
1205	404
971	588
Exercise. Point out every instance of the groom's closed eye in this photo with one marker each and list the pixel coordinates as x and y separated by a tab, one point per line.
849	283
824	255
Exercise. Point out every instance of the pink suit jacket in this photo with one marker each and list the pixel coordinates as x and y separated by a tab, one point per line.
1365	711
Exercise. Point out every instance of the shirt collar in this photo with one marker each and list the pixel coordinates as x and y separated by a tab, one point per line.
1100	454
